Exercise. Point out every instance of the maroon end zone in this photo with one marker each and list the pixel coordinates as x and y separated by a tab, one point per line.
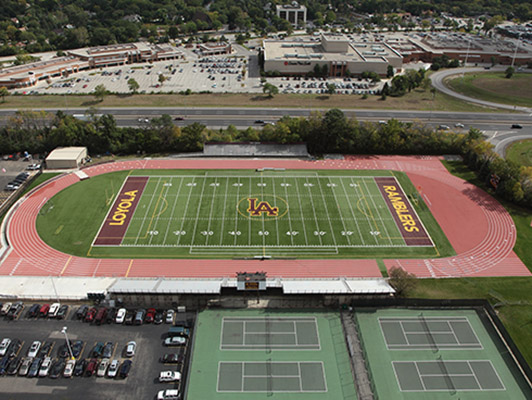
407	221
115	225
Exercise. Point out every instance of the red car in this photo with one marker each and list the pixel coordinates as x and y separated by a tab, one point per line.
43	312
90	315
91	367
150	315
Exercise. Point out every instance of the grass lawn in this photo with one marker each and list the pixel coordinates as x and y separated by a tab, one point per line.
520	152
512	298
493	86
416	100
196	214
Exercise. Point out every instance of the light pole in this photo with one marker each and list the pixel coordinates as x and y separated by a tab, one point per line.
516	48
64	331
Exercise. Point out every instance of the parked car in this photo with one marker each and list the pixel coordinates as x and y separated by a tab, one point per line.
45	367
172	358
89	317
82	312
150	315
15	310
33	351
113	369
102	368
125	368
131	347
69	368
97	349
34	311
56	369
62	351
34	368
139	317
14	348
54	308
168	394
169	319
179	330
25	367
4	363
14	365
175	341
111	315
169	376
62	312
43	312
158	318
5	308
77	347
100	316
108	350
91	367
79	369
130	315
120	316
46	348
4	345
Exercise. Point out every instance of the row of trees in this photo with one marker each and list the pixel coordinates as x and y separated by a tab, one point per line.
332	132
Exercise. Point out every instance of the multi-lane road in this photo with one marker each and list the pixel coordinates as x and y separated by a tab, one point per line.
495	125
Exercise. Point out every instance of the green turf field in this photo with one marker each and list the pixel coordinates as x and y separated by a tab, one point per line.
317	214
436	354
246	354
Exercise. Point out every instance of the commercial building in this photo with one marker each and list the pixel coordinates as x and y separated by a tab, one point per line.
294	13
66	157
214	49
336	53
86	58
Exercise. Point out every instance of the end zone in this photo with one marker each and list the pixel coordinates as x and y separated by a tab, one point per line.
115	225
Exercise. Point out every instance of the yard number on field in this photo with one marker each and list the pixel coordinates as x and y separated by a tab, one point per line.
319	233
180	233
292	233
207	233
235	233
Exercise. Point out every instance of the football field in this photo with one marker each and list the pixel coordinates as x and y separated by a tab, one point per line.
263	213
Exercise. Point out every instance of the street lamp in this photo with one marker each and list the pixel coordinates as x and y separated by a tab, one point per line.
64	331
516	48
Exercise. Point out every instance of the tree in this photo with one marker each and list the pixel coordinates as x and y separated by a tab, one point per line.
4	92
270	89
390	72
401	280
509	72
162	79
331	88
100	92
133	85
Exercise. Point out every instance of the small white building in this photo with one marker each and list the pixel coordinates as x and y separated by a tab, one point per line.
66	157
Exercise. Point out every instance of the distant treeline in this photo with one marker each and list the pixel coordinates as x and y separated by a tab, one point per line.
331	132
44	25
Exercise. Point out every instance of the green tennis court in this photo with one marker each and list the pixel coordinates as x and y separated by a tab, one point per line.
254	354
437	354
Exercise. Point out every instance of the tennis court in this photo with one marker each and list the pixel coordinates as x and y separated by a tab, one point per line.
428	333
426	376
271	377
252	354
442	353
274	333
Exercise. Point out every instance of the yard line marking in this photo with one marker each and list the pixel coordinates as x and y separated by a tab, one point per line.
185	213
388	235
301	211
153	216
223	212
262	217
236	211
161	212
340	213
197	214
173	209
146	213
249	219
362	197
348	198
210	213
314	211
327	211
289	217
276	219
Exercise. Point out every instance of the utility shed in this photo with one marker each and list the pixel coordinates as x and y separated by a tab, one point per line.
66	157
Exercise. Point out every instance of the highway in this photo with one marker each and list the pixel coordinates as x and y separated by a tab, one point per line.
495	125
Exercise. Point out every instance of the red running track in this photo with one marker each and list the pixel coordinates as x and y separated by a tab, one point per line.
478	227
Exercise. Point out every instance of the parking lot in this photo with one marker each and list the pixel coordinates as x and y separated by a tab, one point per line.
141	383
